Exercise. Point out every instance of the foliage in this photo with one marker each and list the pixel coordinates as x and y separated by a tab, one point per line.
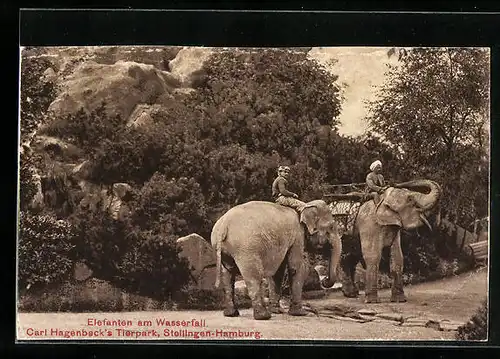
27	179
433	112
421	258
170	205
36	94
273	104
43	247
86	130
252	112
118	251
151	266
477	327
101	241
35	97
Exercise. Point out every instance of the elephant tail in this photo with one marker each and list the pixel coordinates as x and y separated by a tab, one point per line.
218	236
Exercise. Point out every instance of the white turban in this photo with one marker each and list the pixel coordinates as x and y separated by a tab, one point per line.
375	164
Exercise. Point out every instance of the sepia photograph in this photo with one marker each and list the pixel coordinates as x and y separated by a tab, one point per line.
173	193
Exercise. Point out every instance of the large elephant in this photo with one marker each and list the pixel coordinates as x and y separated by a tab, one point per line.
408	205
260	239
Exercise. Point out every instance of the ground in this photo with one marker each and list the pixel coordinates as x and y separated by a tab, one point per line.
455	299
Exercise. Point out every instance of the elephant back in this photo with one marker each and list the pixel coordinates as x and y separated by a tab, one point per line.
263	211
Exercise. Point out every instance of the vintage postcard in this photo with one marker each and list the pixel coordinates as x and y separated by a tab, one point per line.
172	193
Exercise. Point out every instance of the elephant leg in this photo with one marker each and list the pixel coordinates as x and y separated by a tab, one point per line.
253	280
398	294
260	312
275	284
352	248
296	274
228	279
348	286
372	253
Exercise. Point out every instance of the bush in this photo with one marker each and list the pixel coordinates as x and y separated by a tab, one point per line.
152	266
35	96
101	241
87	130
45	244
420	255
27	181
136	154
175	206
137	260
477	327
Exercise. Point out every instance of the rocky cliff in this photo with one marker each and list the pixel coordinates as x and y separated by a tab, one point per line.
130	82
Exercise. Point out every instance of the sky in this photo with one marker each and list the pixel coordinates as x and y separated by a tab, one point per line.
361	69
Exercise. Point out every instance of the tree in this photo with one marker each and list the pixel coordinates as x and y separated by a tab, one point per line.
35	97
433	111
36	94
276	104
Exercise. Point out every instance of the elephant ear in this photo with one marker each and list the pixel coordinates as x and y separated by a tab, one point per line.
309	216
387	212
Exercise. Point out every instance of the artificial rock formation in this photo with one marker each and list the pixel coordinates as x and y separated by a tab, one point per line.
201	257
121	86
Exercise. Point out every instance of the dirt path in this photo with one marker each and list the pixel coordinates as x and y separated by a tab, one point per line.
454	299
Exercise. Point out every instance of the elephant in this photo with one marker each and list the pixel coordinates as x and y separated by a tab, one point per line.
260	239
408	206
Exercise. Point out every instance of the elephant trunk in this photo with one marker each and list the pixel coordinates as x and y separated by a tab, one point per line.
429	193
336	244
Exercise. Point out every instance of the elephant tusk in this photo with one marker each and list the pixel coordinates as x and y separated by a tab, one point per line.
422	217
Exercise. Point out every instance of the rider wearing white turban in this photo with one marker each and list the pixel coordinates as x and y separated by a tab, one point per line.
375	181
375	164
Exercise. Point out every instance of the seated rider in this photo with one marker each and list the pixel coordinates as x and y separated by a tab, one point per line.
375	181
281	194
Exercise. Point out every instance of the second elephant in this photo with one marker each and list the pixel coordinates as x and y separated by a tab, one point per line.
408	205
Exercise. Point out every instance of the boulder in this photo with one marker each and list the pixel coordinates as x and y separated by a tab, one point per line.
153	55
120	190
121	86
206	279
142	115
188	61
200	256
38	199
49	75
